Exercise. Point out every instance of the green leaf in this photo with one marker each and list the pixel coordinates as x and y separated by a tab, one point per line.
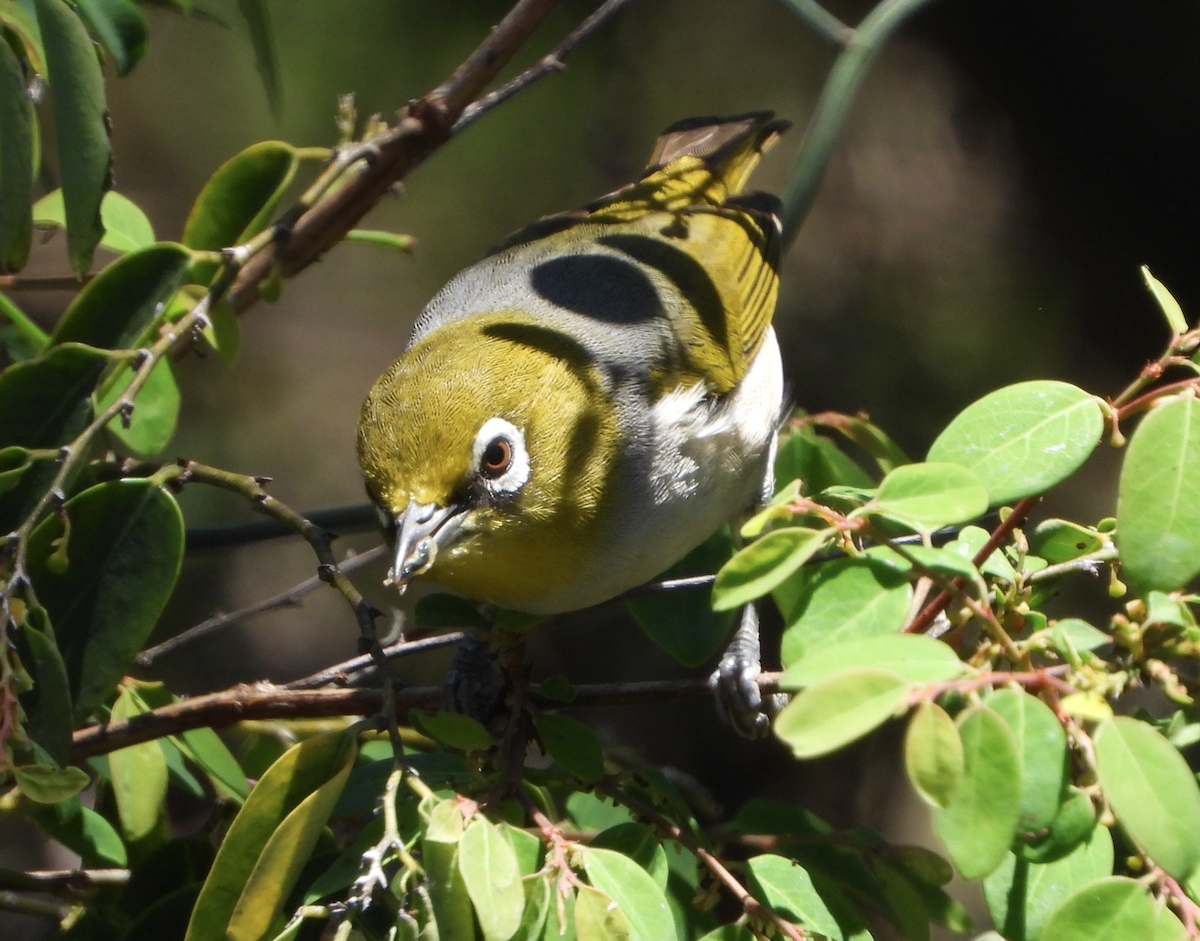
945	562
683	623
80	123
47	785
205	749
1023	439
17	130
125	550
1021	895
590	812
761	566
126	228
270	840
817	462
23	339
122	28
840	709
114	310
41	399
1074	822
48	704
933	754
156	409
1112	909
639	843
598	918
1042	744
1158	498
931	495
635	892
573	745
237	201
915	657
791	892
527	848
970	541
489	871
453	729
19	18
981	820
1167	304
139	776
1061	540
1072	634
258	24
83	831
843	600
1152	792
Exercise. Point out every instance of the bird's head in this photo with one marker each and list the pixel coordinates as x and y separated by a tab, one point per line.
490	449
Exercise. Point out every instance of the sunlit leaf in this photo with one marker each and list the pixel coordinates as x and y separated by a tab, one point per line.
635	892
489	870
931	495
913	656
1042	744
1112	909
839	709
761	566
933	754
139	776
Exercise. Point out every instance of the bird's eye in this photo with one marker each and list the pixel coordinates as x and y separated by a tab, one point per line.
497	458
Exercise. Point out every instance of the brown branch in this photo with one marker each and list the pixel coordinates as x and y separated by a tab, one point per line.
425	125
1023	508
1143	402
72	880
244	702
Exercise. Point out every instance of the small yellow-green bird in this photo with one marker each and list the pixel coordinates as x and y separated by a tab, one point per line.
592	400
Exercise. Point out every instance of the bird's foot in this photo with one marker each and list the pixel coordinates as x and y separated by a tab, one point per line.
476	684
735	683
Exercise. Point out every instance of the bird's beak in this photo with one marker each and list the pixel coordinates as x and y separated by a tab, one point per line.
421	530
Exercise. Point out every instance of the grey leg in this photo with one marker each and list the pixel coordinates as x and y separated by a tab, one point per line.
735	682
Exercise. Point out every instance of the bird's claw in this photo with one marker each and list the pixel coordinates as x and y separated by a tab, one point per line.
735	683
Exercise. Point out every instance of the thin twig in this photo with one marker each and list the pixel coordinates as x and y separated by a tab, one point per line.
358	517
1022	509
547	65
284	599
358	668
50	880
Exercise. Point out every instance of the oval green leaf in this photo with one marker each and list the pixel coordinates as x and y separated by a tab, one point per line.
639	843
43	400
981	820
1112	909
1023	439
790	891
1158	499
1166	302
933	754
453	729
493	880
844	600
635	892
840	709
1152	792
1042	744
1074	823
114	310
761	566
915	657
931	495
44	784
122	28
48	704
573	745
139	776
126	228
83	831
80	124
16	159
238	199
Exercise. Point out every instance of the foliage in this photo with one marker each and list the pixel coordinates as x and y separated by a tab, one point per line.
905	600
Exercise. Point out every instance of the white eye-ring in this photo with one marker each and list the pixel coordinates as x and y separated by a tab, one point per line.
500	457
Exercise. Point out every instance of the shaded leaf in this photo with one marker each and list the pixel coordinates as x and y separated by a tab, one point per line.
23	339
41	399
761	566
48	704
453	729
125	547
17	130
1074	822
83	831
80	123
122	28
156	409
258	23
1042	744
1024	438
1167	304
573	745
793	893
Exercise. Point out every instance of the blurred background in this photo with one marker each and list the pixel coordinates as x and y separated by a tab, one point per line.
1008	166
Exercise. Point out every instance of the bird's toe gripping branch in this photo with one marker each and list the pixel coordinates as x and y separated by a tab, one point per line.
735	682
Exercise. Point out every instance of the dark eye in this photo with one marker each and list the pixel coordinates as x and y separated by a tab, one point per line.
496	458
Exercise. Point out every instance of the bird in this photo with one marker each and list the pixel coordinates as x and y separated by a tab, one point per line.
576	411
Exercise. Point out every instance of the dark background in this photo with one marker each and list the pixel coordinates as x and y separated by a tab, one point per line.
1007	168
